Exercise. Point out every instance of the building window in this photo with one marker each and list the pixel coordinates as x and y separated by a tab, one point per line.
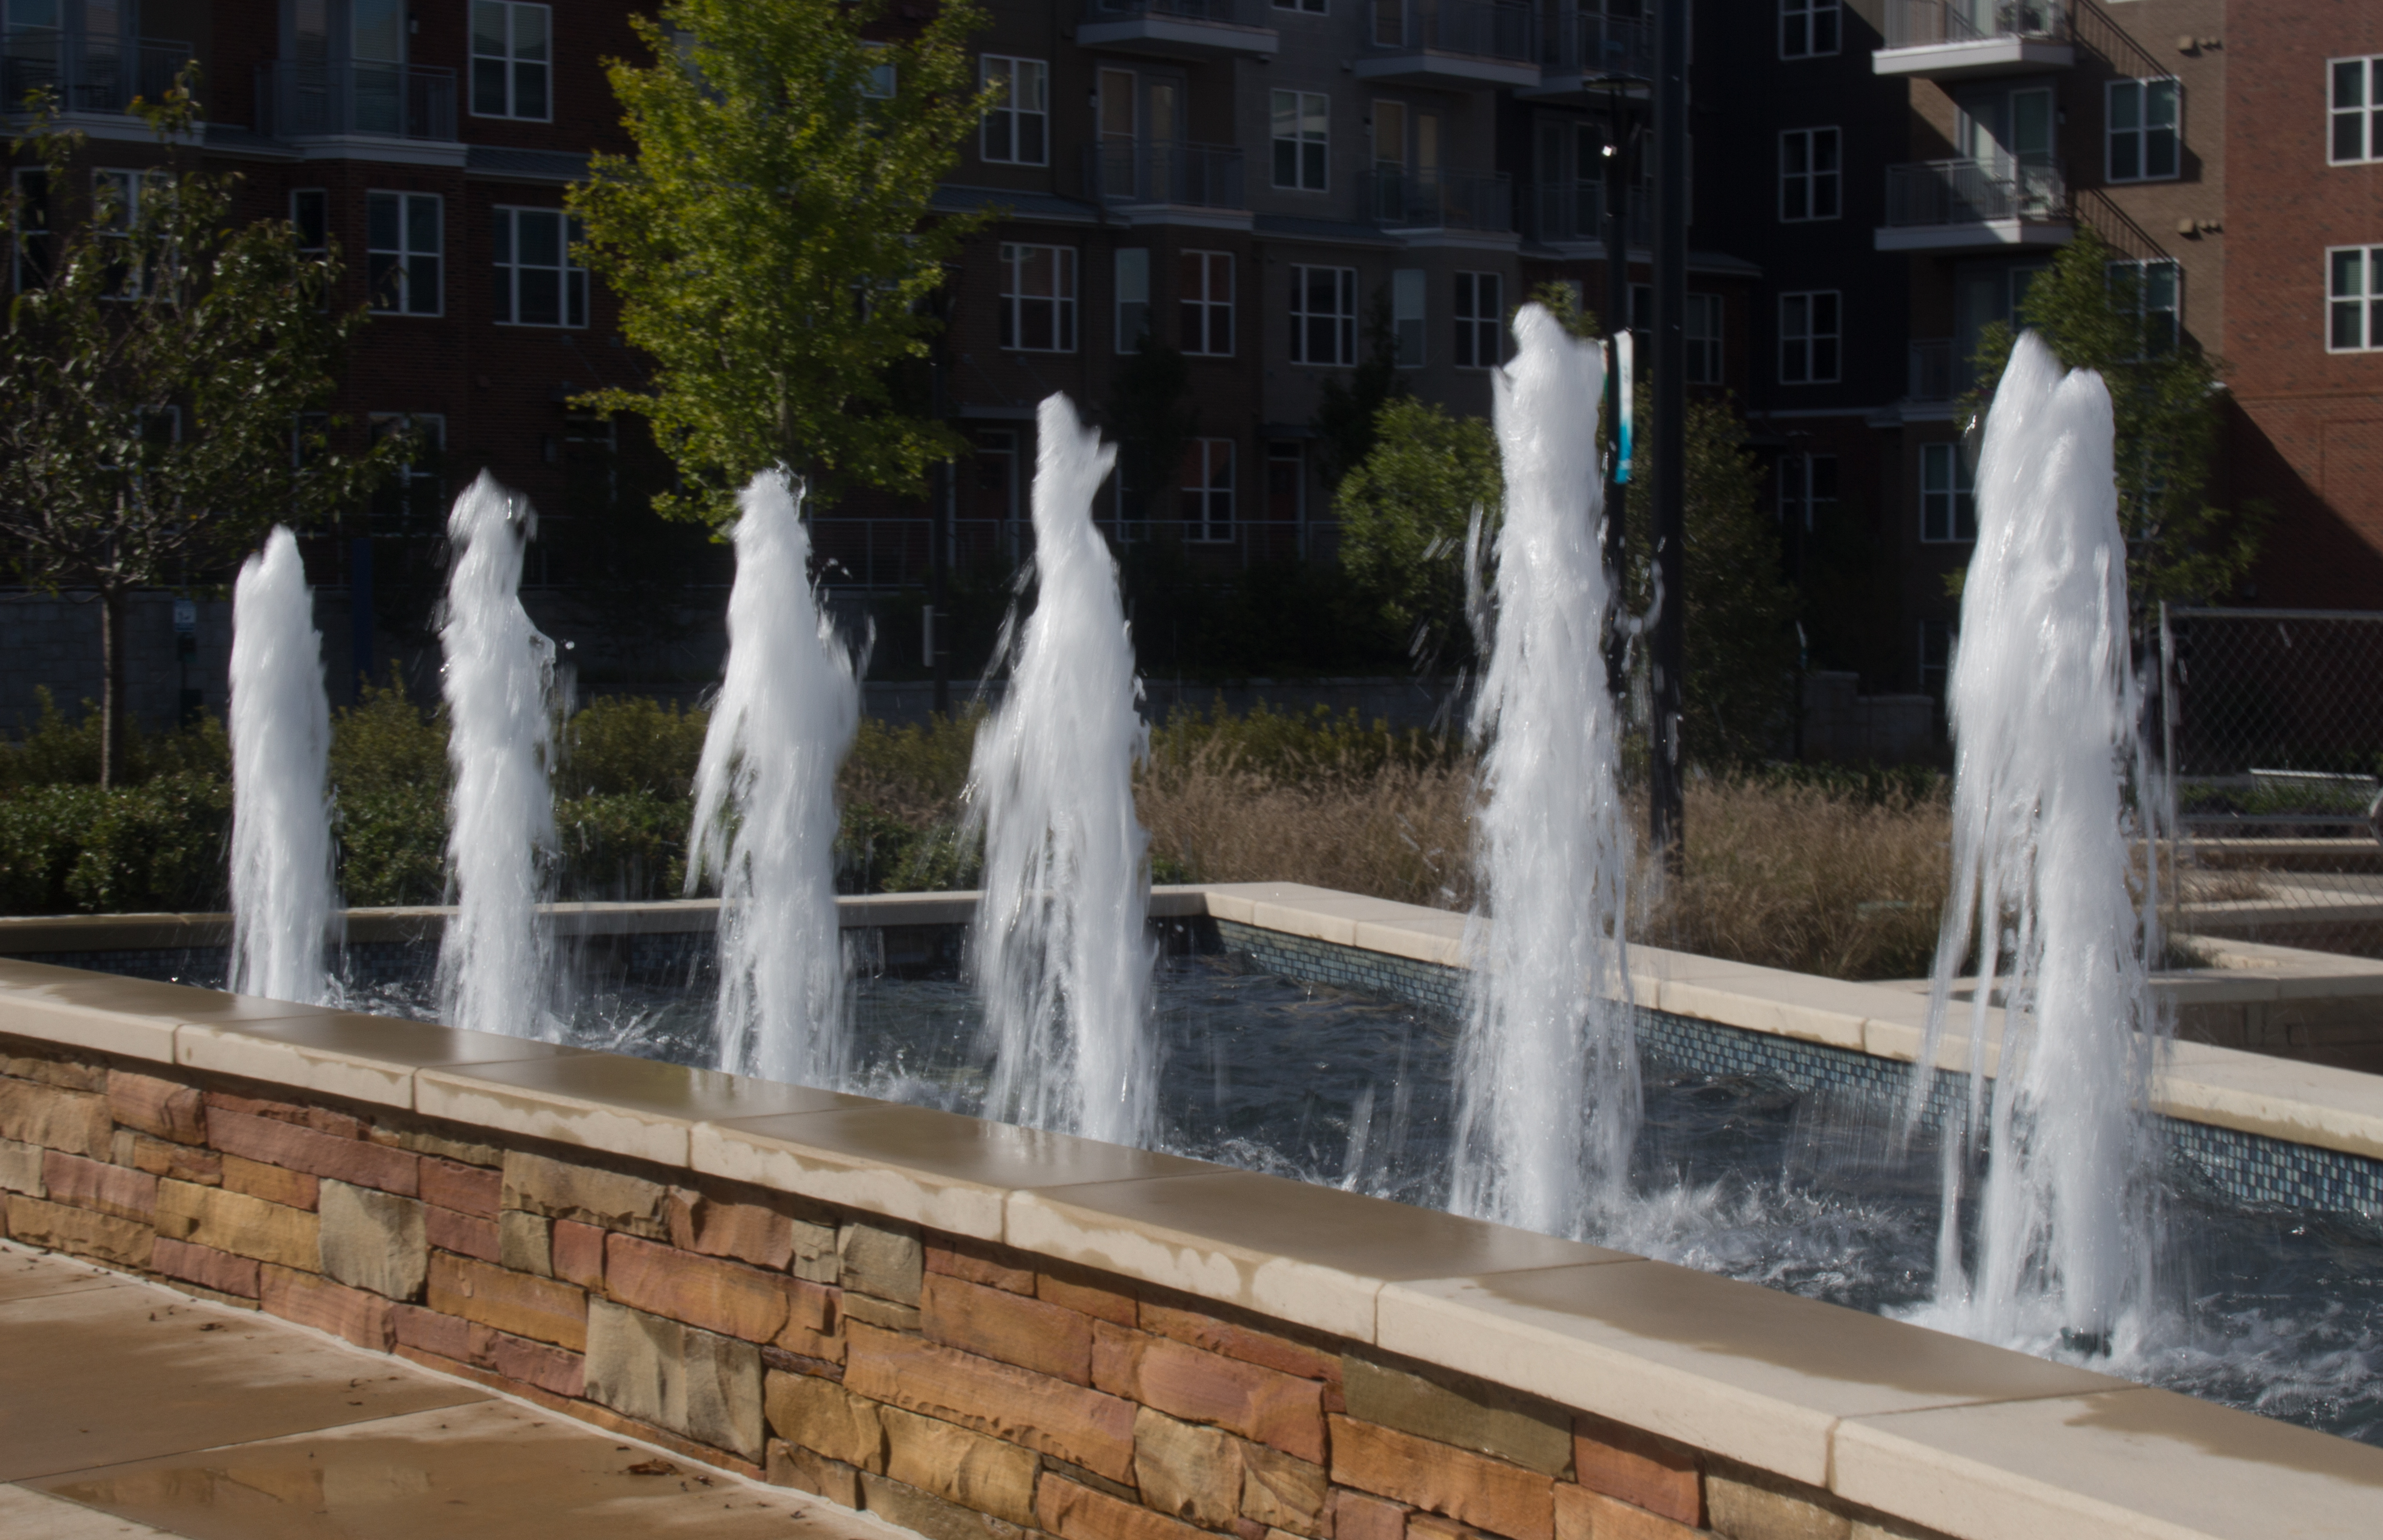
310	220
2355	299
2143	130
2357	109
1208	489
1203	282
415	500
1948	503
1810	172
115	197
1038	299
1642	307
1301	139
1704	339
1286	481
878	85
1324	315
1132	297
1017	129
1479	318
2150	289
1407	286
1936	656
1807	28
1807	337
30	228
538	284
1805	482
510	57
403	235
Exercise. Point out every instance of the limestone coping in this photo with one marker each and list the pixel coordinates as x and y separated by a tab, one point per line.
1972	1440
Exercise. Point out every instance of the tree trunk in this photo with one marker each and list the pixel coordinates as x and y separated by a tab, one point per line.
114	602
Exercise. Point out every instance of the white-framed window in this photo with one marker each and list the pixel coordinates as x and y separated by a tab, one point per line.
1324	315
404	235
28	228
1286	481
1936	656
115	197
1807	28
310	220
1805	482
2144	143
1038	299
879	84
1480	315
2353	293
1810	172
1132	297
1407	289
1809	335
2155	285
1948	500
1018	130
1204	298
417	495
538	284
1704	339
2356	104
1302	140
1208	489
512	59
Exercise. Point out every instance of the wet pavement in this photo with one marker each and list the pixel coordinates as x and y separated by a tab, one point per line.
129	1409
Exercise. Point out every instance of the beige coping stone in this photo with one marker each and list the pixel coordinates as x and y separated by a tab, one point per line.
128	931
918	1165
1315	1256
2126	1462
1746	1371
2285	1098
640	1108
363	1058
135	1018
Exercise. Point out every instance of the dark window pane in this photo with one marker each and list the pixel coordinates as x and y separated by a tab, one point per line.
381	222
2350	83
380	273
488	87
421	224
541	297
529	91
2349	135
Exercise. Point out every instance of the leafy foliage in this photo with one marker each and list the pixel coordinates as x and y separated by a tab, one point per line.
1405	510
1348	416
1153	420
770	240
2163	392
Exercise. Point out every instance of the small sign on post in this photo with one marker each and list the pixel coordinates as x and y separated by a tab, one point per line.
1626	411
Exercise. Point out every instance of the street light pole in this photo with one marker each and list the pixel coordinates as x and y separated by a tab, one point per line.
1669	507
1618	140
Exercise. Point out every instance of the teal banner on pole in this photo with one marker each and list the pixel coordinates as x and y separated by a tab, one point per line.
1625	395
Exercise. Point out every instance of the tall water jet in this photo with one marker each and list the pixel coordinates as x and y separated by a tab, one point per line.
281	892
2043	713
765	820
500	689
1060	948
1548	1071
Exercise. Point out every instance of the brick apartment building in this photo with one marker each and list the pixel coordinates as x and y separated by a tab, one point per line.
1872	182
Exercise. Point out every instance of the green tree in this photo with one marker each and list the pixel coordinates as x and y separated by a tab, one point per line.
1347	414
2091	308
1151	412
151	374
1406	508
771	241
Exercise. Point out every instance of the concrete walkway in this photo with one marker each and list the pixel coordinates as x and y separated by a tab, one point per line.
129	1409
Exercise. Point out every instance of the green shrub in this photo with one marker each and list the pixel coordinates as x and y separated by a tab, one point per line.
622	845
385	743
392	845
631	745
56	751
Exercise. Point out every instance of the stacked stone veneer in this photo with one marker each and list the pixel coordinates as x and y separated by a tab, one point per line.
953	1385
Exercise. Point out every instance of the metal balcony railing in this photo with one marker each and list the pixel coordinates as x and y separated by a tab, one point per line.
1575	42
1576	211
1443	200
390	101
1931	369
89	74
1973	192
1227	13
1165	171
1490	31
1921	23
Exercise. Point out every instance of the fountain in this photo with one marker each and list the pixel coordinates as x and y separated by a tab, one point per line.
1058	948
281	729
765	817
500	688
1547	1070
2043	714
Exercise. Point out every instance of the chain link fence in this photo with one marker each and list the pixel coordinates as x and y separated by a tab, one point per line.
2271	721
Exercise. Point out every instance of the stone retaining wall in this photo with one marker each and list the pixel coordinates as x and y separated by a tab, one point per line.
955	1385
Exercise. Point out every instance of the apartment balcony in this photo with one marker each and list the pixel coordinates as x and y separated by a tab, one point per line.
1165	174
1414	201
1575	211
89	74
1579	51
1963	40
1197	29
1455	45
1969	205
385	102
1933	381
